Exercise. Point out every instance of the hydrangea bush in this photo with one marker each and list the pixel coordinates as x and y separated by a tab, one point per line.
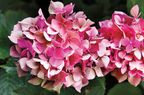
67	50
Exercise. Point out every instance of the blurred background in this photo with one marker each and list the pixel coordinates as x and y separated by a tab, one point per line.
12	11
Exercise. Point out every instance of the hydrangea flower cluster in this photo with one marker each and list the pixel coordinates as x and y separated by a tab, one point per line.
126	35
67	50
57	51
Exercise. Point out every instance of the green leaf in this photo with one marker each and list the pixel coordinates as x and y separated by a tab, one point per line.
8	83
7	21
142	84
29	89
96	87
131	3
125	89
69	91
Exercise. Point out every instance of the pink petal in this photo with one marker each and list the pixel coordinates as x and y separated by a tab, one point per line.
129	48
57	63
14	52
74	59
68	8
60	78
122	54
38	47
58	53
135	81
137	54
125	41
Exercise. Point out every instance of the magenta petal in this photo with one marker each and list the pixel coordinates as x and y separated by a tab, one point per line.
58	53
125	41
56	63
129	48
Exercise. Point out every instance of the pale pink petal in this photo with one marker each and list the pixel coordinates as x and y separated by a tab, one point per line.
20	72
86	57
53	72
137	54
98	71
22	63
86	44
51	31
105	60
78	85
135	11
93	32
32	64
123	69
77	75
128	57
143	53
55	5
34	72
69	81
15	36
47	37
35	81
118	64
44	63
90	74
40	74
29	35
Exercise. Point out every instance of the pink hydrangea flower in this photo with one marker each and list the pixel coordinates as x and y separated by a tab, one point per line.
125	34
59	51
